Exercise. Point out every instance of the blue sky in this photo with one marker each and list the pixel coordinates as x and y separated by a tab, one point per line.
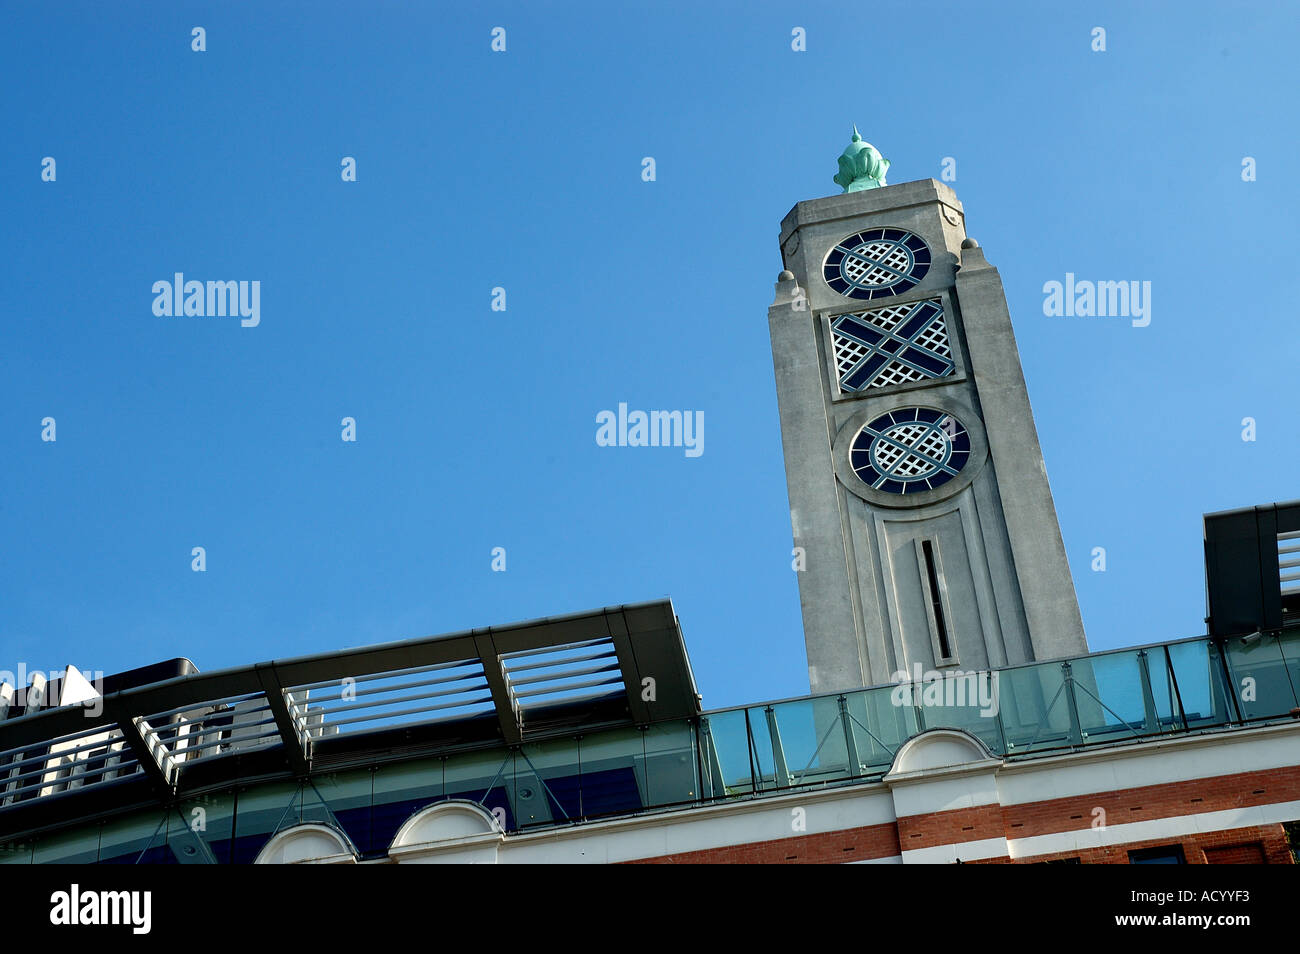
522	169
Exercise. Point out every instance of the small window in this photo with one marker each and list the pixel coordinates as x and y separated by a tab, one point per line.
1164	855
933	591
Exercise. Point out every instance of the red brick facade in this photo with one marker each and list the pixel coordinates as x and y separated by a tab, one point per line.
1154	801
1267	844
950	828
852	844
1239	842
1251	853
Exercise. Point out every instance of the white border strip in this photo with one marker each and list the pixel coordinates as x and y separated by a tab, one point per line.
965	850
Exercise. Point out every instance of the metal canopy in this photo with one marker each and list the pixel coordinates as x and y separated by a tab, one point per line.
486	687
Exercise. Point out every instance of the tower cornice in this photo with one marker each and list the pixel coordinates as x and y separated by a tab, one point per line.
885	199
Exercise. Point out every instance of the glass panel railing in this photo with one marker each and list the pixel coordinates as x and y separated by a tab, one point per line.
759	722
671	763
22	851
544	784
880	720
130	839
212	818
1289	645
968	701
1035	709
1261	682
1117	699
80	846
1198	679
606	773
813	744
725	752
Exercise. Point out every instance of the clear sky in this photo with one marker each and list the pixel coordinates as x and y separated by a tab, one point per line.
523	170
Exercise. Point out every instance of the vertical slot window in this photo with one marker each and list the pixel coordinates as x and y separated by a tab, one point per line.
933	592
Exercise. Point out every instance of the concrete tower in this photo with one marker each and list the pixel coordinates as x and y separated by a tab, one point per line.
917	487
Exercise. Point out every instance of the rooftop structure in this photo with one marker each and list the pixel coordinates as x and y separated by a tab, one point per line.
421	729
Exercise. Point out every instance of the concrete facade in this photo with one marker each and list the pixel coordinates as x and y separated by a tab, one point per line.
1001	580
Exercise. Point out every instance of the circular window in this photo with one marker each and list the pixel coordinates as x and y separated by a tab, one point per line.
910	450
877	263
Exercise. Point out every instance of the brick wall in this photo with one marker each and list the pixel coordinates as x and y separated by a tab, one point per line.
951	827
852	844
1251	853
1269	838
1241	790
1051	816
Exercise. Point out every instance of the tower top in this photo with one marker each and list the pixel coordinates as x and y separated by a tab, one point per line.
861	166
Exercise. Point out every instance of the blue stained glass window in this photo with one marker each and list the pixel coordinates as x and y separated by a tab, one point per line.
891	345
877	263
910	450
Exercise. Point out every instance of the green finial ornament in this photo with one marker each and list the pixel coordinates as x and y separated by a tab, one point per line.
861	166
